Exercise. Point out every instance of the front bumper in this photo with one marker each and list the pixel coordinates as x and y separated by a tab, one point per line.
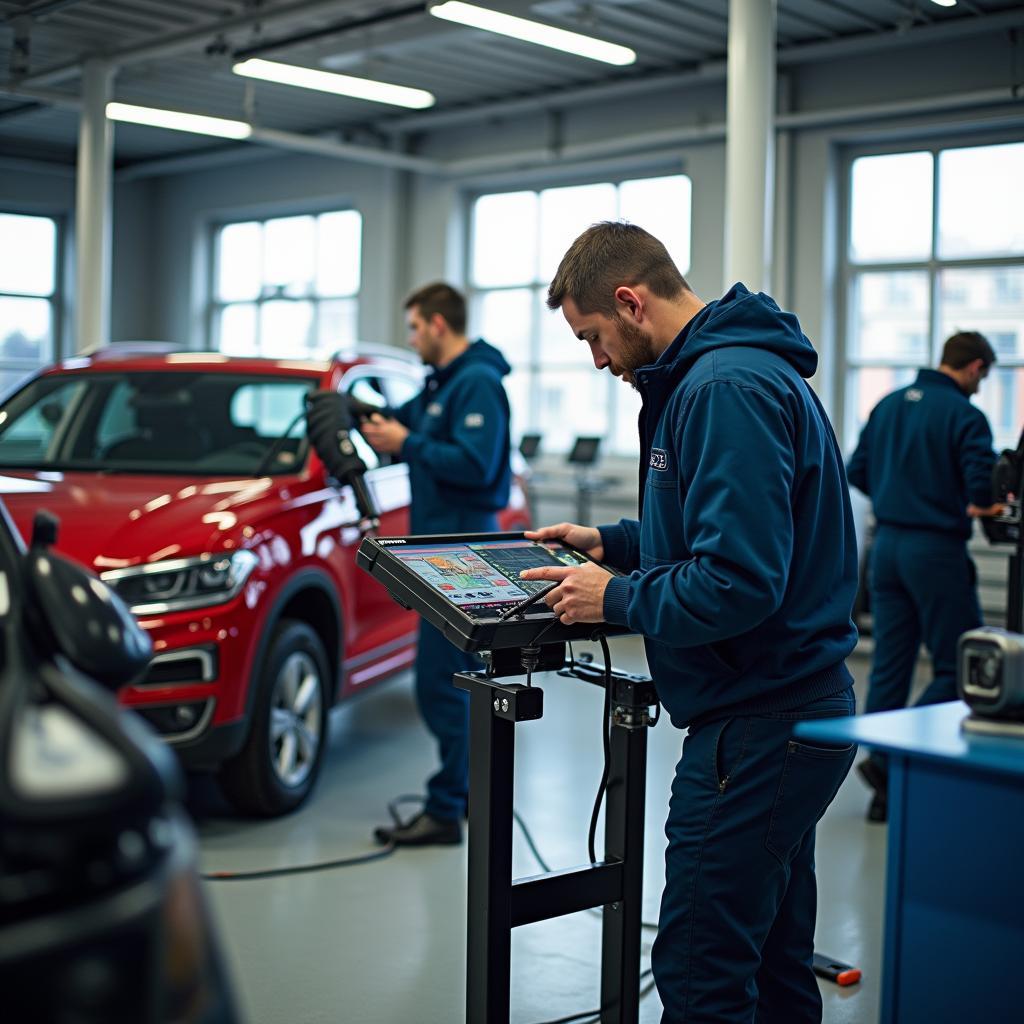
194	692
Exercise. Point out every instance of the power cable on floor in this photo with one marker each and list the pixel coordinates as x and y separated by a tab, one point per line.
327	865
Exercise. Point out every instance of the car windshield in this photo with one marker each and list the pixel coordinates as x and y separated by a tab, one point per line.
209	424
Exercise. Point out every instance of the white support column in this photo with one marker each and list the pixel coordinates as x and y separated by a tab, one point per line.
93	210
750	143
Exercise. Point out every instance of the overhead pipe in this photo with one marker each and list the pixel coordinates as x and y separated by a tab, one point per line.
179	42
38	10
326	31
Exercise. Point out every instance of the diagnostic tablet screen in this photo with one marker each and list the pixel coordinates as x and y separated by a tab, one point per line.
482	577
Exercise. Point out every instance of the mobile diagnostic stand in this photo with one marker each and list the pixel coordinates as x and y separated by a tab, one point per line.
468	587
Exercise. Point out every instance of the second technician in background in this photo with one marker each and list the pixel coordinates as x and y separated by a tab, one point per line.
454	436
925	460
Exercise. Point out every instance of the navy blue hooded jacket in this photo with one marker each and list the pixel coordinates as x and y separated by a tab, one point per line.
925	453
744	560
458	446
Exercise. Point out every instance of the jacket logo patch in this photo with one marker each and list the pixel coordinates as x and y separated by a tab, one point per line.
913	395
435	409
474	419
659	459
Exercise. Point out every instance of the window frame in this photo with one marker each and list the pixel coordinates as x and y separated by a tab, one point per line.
57	299
215	306
533	366
932	266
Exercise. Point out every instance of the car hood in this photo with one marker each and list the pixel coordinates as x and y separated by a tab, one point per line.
115	521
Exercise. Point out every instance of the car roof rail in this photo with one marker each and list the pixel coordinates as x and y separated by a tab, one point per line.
367	348
128	349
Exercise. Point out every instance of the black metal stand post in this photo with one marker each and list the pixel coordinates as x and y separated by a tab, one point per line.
497	903
1014	594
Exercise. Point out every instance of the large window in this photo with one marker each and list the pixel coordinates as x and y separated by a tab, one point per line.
287	287
29	295
517	241
935	245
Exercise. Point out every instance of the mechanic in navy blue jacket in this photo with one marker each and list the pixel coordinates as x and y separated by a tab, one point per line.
454	436
741	575
925	460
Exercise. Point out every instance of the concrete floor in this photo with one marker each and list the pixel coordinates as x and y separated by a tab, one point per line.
385	942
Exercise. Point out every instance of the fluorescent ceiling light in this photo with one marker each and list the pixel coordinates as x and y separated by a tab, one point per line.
340	85
533	32
179	122
945	3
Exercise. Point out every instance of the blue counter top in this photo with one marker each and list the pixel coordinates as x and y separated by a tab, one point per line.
932	732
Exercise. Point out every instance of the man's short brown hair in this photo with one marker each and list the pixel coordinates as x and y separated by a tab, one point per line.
443	299
606	256
964	347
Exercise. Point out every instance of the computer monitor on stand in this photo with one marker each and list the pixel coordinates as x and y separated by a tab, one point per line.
583	457
529	446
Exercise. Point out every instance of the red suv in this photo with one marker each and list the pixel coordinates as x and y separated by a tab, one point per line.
185	481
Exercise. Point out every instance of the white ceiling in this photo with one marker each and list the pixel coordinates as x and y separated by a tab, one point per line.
178	54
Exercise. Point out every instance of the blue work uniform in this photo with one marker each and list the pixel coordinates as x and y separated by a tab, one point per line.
459	473
923	456
742	578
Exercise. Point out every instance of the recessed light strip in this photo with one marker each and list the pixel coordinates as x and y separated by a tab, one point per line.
339	85
200	124
533	32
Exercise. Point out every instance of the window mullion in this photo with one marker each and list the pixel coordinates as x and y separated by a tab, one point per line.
933	270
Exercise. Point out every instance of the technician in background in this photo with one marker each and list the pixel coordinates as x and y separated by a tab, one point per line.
925	460
742	575
454	436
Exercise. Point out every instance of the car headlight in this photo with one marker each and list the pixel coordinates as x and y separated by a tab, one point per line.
183	583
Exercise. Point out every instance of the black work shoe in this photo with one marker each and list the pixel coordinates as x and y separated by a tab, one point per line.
423	830
875	776
879	808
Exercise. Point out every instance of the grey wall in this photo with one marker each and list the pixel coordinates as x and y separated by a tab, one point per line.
189	204
50	191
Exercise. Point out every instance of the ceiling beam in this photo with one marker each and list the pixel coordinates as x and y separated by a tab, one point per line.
185	39
711	71
39	10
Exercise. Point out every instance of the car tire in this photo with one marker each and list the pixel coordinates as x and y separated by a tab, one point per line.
277	767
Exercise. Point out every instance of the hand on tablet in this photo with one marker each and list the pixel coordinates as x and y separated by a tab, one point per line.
584	538
580	597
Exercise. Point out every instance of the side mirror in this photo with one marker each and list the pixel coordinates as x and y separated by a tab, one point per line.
88	623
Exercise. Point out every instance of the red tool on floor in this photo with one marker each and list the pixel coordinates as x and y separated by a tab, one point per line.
836	970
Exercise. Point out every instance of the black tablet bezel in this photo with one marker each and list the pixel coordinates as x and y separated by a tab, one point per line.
377	556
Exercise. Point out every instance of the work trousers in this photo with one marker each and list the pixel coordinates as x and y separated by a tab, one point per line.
736	934
923	589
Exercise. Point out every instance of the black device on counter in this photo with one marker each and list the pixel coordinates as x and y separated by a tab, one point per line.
990	679
468	586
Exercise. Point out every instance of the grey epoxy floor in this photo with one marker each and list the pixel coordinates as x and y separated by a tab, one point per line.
384	942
